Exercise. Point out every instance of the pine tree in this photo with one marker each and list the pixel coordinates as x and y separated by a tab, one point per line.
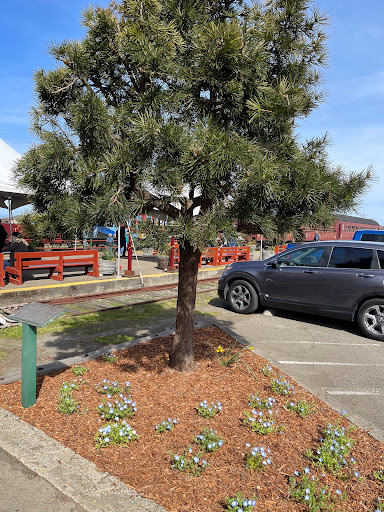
188	106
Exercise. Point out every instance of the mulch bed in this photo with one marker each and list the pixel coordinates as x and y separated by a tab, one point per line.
161	392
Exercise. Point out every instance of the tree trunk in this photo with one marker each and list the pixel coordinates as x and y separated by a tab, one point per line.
183	347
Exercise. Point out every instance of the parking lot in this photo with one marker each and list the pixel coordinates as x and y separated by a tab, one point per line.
329	358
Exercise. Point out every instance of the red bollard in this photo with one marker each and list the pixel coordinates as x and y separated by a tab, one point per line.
129	272
171	267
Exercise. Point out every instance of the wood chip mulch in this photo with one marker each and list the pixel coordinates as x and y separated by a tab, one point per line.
161	392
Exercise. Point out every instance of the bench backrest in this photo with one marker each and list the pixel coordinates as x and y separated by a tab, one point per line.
40	256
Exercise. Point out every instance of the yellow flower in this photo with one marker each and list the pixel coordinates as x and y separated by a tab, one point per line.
251	348
219	349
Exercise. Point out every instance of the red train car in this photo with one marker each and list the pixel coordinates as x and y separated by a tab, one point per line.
343	228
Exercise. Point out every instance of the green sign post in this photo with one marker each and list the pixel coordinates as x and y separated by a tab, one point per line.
31	316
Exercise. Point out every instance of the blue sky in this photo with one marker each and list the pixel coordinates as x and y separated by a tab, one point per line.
353	115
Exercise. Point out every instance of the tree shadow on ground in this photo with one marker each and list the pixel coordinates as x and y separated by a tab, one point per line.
304	318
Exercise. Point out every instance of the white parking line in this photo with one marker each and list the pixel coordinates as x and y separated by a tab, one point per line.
324	363
280	342
356	393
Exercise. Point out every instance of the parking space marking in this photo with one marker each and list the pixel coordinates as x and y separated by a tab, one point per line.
325	363
281	342
376	392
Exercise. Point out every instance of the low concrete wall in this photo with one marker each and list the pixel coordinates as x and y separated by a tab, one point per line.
97	285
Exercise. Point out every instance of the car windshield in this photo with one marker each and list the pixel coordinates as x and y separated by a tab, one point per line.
304	257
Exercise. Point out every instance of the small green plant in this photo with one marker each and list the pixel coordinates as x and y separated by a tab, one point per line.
257	458
66	404
115	433
261	424
208	411
165	425
107	254
208	440
380	505
110	358
282	386
309	491
267	370
112	388
333	451
126	408
379	475
193	464
228	357
240	504
257	403
302	408
79	370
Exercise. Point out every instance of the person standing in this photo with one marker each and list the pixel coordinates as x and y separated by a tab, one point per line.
317	237
18	245
3	236
123	240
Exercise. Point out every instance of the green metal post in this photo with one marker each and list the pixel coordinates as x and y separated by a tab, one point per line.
28	365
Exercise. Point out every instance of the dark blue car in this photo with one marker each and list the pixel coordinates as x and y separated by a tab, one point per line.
337	279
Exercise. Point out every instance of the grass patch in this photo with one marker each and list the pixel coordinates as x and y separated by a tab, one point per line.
101	321
111	320
113	339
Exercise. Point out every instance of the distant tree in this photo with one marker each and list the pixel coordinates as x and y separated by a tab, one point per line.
187	106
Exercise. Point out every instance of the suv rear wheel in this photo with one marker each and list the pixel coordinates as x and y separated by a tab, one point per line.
370	319
242	297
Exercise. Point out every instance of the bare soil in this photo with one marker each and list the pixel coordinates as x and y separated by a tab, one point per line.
160	392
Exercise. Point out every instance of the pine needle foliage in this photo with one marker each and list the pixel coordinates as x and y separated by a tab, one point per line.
188	106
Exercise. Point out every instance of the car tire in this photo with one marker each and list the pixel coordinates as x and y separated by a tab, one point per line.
370	319
242	297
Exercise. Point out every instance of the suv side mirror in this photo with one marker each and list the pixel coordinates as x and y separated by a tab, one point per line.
272	264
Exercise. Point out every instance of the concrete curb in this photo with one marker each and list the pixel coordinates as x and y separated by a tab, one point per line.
83	358
71	474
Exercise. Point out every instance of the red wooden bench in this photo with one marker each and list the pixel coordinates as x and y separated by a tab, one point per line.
217	256
232	254
55	262
2	271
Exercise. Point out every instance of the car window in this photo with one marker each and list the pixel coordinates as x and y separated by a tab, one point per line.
351	257
304	257
372	237
381	258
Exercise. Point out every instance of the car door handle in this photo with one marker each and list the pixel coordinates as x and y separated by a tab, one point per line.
365	275
310	271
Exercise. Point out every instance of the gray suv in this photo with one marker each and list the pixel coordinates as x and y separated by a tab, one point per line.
337	279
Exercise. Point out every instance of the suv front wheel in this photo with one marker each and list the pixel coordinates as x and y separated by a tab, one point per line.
242	297
370	319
